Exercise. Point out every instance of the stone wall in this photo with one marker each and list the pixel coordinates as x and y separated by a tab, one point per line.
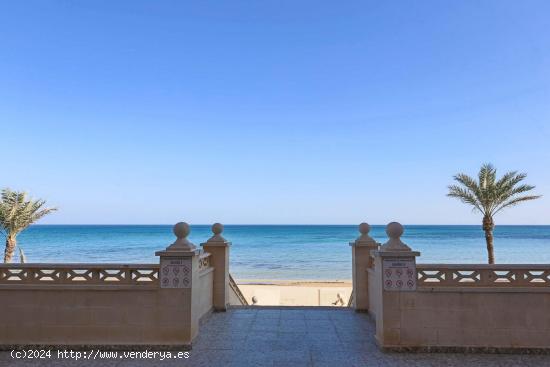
152	305
79	315
466	318
453	307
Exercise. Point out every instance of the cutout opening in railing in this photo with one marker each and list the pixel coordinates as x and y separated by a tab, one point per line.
506	276
466	276
108	275
144	275
79	275
47	275
13	275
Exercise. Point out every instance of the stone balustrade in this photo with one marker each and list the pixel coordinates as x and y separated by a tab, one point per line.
204	261
236	295
464	275
79	274
450	307
116	305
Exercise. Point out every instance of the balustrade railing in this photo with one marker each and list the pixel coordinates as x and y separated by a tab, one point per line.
235	287
204	261
79	274
451	275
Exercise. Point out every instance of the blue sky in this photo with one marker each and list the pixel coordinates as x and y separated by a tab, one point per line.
272	111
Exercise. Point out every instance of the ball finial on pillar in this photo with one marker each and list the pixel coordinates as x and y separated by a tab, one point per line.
181	231
395	230
217	230
364	228
364	239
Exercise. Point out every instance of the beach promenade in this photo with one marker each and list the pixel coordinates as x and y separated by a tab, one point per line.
190	302
288	336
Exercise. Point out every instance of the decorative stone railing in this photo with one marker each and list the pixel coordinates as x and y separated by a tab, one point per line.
119	305
351	297
449	307
464	275
204	261
235	287
79	274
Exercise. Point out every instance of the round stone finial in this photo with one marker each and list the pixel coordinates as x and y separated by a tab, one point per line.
394	230
364	228
217	228
364	239
181	230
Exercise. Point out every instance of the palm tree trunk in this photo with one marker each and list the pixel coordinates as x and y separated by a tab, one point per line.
488	226
10	248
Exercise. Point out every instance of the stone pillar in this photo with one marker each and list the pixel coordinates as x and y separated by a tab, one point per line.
179	287
218	247
394	273
361	261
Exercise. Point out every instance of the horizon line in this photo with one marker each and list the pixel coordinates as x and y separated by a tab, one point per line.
269	224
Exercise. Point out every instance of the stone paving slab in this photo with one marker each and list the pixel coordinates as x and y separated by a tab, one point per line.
287	337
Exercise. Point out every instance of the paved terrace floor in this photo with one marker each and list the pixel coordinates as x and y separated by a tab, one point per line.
289	337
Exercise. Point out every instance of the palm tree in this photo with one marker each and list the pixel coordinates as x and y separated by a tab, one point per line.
17	212
489	196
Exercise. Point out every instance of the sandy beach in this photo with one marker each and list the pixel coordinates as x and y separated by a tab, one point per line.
265	292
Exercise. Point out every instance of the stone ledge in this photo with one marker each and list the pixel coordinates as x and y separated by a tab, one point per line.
456	349
81	287
303	308
88	347
482	289
206	271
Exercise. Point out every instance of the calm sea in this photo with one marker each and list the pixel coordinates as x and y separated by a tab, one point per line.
281	251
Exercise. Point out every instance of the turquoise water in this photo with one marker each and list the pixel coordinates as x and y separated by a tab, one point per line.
282	251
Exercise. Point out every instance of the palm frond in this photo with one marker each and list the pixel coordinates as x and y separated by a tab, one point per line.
516	201
487	175
37	215
472	187
521	189
464	195
508	176
467	181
